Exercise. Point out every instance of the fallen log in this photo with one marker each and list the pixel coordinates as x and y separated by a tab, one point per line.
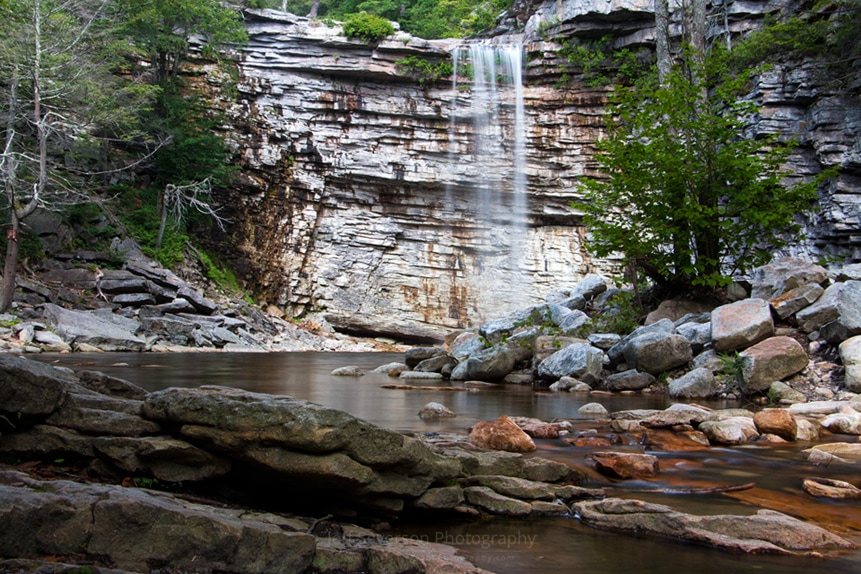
700	490
427	388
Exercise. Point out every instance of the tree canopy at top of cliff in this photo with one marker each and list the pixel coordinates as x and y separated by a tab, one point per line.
424	18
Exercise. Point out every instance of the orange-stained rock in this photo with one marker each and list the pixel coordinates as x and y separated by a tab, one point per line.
625	464
501	434
776	421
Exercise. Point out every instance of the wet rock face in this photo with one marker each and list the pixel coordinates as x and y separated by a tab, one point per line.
354	196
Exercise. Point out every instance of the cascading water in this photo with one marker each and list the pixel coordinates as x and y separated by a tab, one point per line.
495	121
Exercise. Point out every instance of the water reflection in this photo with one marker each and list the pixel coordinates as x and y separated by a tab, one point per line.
308	376
547	544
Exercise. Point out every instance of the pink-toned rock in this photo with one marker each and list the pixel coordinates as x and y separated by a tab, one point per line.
772	360
625	464
741	324
831	488
674	309
589	441
778	422
501	434
537	428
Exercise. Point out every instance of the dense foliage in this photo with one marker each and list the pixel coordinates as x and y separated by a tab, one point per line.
423	18
686	196
367	27
161	29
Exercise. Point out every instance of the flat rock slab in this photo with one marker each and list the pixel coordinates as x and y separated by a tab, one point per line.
766	531
138	530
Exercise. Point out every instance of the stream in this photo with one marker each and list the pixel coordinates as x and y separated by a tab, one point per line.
540	545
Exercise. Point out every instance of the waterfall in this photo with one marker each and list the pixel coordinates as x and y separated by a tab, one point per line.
495	168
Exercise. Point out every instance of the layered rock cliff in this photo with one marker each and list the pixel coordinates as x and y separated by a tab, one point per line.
360	195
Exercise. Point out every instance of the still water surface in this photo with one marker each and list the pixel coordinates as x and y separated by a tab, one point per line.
546	545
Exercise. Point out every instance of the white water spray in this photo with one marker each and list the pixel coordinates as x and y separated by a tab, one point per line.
500	206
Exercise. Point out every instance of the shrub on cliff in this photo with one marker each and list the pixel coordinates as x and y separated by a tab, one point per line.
367	27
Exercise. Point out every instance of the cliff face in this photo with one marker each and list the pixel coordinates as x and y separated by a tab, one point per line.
361	196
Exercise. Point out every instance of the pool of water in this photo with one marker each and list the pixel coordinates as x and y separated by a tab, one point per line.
540	545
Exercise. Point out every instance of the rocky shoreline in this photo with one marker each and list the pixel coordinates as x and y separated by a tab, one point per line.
73	302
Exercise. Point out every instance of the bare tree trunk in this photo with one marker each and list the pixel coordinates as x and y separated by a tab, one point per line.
698	30
283	5
315	7
662	38
10	265
162	210
16	213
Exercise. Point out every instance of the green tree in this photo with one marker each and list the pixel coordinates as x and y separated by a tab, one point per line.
193	157
684	196
57	92
163	28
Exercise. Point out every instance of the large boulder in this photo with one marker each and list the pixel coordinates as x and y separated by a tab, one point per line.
501	434
839	308
698	383
579	360
730	431
655	353
616	353
465	344
589	287
741	324
777	422
697	329
107	332
299	441
29	389
850	355
771	360
675	309
784	275
766	531
794	300
848	321
488	365
416	355
630	380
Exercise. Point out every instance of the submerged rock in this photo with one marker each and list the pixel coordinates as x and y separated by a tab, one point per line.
625	464
434	410
831	488
766	531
